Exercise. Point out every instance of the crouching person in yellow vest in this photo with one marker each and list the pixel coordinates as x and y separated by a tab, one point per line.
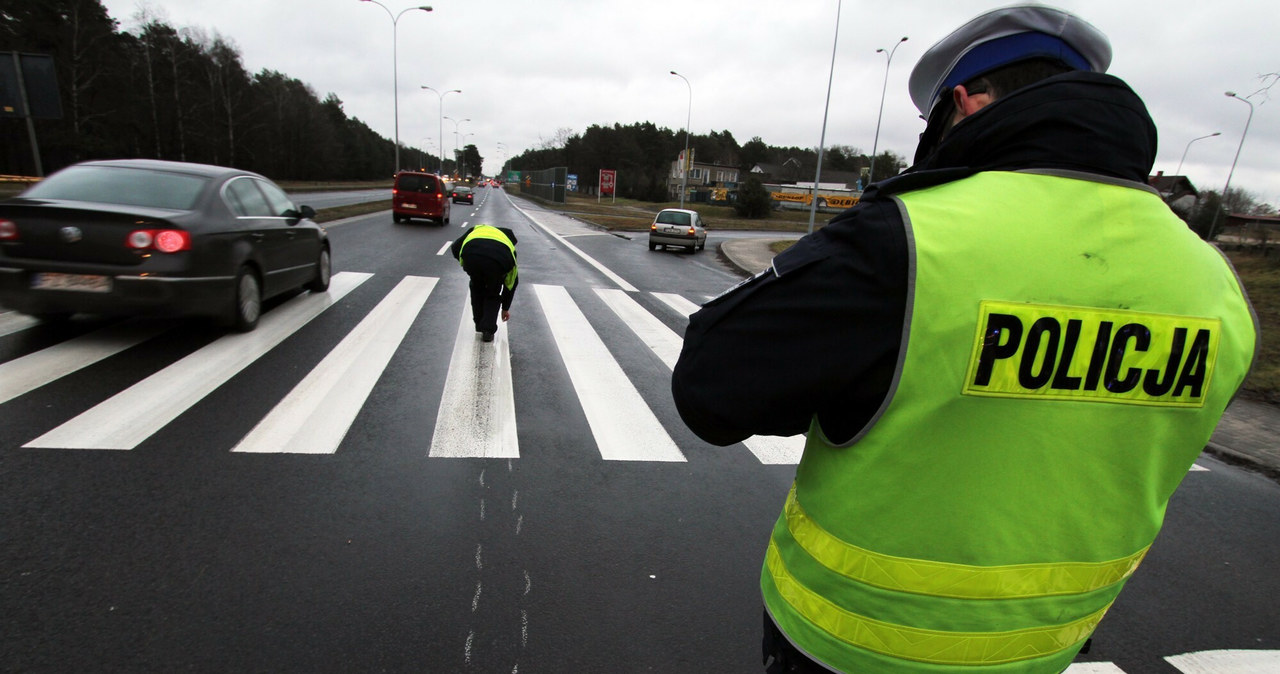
1005	359
488	255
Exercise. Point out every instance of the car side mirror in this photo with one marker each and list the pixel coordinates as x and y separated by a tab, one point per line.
296	216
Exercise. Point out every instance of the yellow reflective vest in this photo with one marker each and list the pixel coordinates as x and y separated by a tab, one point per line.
1065	358
494	234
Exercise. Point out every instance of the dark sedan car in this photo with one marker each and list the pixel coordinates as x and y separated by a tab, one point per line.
143	237
463	193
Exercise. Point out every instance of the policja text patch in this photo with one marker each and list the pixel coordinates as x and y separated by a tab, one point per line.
1042	351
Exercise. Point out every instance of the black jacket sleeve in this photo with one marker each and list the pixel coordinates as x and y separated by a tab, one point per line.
818	334
456	248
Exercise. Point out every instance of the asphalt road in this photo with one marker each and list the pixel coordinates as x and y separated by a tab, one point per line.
362	485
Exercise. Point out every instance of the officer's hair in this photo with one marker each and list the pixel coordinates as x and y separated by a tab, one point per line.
1001	81
1015	76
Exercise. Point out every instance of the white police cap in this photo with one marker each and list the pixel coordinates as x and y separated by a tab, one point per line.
1003	36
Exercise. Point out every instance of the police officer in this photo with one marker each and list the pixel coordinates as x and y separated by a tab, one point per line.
488	255
1005	360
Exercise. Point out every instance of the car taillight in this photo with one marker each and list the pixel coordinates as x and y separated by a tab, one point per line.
8	230
163	240
692	231
653	227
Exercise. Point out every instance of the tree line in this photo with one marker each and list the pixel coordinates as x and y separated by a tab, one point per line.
183	95
642	154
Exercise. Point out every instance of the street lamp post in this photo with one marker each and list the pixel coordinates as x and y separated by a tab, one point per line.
456	122
1213	226
395	77
684	168
1184	151
822	138
440	119
875	144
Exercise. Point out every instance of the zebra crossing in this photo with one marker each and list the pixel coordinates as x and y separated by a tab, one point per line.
477	416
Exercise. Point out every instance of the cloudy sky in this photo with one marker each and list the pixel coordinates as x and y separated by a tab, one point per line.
529	68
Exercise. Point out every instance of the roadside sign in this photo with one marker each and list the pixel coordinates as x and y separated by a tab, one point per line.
608	182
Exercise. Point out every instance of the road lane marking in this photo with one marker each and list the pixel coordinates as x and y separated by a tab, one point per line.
12	321
1093	668
34	370
1226	662
318	412
133	415
663	341
574	249
681	305
444	248
666	344
624	426
477	415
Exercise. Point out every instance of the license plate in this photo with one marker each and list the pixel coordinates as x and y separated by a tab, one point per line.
408	205
78	282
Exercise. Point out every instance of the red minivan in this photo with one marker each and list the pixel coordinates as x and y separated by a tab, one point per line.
420	195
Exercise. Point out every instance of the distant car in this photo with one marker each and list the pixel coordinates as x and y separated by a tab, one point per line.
677	227
144	237
463	193
419	195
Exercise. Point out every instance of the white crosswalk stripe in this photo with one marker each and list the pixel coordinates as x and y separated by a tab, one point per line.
666	344
133	415
316	415
624	426
477	416
28	373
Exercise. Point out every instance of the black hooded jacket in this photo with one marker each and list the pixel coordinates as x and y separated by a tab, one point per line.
819	333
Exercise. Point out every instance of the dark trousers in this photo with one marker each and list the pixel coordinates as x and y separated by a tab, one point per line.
781	657
486	291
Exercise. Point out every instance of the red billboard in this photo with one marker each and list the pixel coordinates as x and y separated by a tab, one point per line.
607	180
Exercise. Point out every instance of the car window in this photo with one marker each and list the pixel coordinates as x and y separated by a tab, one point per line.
246	199
412	182
673	218
120	185
281	205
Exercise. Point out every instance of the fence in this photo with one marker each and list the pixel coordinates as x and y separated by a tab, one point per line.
547	184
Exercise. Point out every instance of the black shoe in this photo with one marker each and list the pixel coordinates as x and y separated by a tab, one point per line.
486	337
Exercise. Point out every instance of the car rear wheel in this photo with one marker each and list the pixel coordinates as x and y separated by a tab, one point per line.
324	269
247	305
653	246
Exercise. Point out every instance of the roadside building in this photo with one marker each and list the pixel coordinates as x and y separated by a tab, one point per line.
708	182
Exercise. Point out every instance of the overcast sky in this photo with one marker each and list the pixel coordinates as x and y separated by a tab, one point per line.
528	68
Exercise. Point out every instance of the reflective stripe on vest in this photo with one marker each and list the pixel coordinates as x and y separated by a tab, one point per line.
929	646
493	234
942	579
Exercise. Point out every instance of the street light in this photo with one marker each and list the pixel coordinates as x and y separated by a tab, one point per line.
875	144
1184	152
684	168
456	122
822	139
440	120
1214	225
395	77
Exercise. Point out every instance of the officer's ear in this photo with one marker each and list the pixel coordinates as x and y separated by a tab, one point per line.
968	100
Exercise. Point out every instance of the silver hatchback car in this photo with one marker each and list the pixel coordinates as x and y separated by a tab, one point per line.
677	227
